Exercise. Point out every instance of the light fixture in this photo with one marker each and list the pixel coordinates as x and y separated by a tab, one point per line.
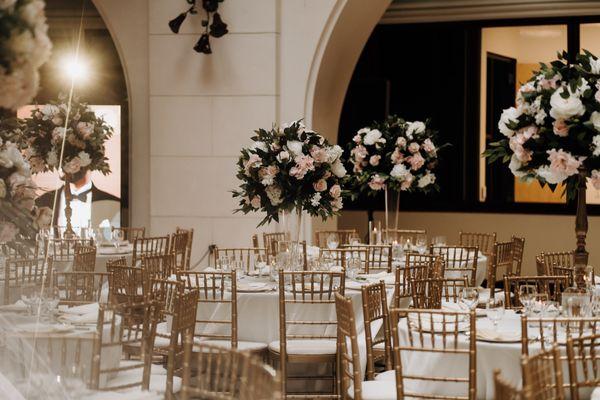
75	68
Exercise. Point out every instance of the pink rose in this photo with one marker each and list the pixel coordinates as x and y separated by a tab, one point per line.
356	139
374	160
416	161
357	168
359	152
528	132
377	182
337	204
414	147
397	156
304	164
401	142
407	182
73	166
549	83
428	146
255	202
320	185
595	178
253	161
335	191
318	153
560	128
564	162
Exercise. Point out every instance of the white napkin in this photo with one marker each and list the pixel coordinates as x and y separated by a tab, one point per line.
83	309
253	286
43	328
498	336
18	306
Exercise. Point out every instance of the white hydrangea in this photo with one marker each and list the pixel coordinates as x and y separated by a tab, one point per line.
334	153
338	169
295	147
315	200
399	171
372	137
274	194
426	180
415	127
508	115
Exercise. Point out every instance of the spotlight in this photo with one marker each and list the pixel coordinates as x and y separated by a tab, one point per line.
75	69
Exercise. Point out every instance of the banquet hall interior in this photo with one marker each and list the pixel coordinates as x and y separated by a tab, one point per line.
299	199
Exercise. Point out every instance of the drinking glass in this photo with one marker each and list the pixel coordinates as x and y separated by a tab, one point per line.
353	266
527	294
470	297
421	242
260	264
117	237
354	239
439	241
224	263
495	311
333	241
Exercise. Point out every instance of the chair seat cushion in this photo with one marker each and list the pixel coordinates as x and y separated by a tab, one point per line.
226	344
386	376
307	347
374	390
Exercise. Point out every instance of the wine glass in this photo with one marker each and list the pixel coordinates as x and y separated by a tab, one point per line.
470	297
333	241
527	294
439	241
354	239
354	264
421	243
495	311
224	263
117	237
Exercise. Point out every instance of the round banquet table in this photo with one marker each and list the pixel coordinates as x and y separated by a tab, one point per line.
20	334
103	255
491	355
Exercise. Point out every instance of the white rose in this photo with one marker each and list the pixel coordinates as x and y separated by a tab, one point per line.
514	165
283	156
594	66
295	147
426	180
565	108
260	146
508	115
596	145
595	120
415	127
399	171
84	158
363	130
49	110
550	175
372	137
274	195
338	169
334	153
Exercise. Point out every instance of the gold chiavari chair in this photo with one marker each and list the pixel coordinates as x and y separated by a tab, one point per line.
503	390
350	374
126	326
118	262
84	259
502	258
343	235
77	288
396	234
157	267
64	249
215	299
459	261
248	257
270	241
341	256
434	332
551	286
484	241
130	233
215	373
255	242
302	337
417	266
189	245
583	354
149	246
542	375
518	248
559	263
380	256
25	277
426	293
375	308
178	248
451	288
540	265
17	249
125	284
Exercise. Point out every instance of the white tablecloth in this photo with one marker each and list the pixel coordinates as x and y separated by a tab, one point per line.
103	255
490	356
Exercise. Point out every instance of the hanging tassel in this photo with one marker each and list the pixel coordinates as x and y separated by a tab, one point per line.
203	44
218	28
175	23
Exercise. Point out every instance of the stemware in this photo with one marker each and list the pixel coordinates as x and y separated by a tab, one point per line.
354	239
117	237
333	241
495	311
439	240
527	294
353	267
470	297
421	243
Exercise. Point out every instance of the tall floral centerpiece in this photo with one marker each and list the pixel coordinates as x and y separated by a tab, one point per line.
290	169
69	139
24	47
553	133
395	154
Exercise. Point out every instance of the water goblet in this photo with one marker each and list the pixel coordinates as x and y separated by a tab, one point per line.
527	293
470	297
117	237
439	241
421	243
495	311
353	267
333	241
354	239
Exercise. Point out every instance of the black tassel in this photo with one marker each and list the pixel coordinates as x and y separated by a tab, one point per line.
218	28
210	5
175	23
203	44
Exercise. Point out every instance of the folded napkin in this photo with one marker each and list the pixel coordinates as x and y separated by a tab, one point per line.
83	309
497	336
456	307
18	306
355	285
89	318
43	328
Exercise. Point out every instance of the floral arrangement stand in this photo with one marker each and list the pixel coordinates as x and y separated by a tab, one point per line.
553	135
288	170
